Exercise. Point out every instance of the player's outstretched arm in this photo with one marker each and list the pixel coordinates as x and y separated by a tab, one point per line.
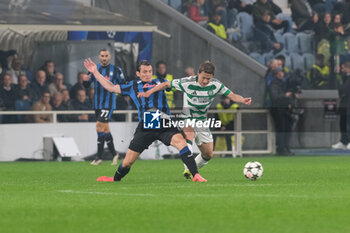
92	68
239	99
159	87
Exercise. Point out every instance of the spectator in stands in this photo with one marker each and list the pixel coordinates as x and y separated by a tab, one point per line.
281	104
189	71
194	12
39	84
218	7
336	20
57	85
16	70
273	64
7	92
56	103
241	5
282	63
79	85
227	119
234	7
43	105
322	28
265	34
216	27
303	15
80	102
338	44
344	109
23	91
319	74
49	68
161	74
263	7
66	99
4	55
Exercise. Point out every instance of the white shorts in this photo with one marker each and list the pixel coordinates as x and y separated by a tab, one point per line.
203	135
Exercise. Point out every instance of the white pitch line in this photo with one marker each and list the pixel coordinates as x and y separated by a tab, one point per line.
208	195
105	193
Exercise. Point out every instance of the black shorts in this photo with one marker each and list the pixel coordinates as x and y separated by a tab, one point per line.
103	115
143	138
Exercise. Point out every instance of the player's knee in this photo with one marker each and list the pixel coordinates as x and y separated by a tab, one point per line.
99	127
178	141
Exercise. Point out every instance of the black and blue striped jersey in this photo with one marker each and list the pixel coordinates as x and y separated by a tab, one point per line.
156	100
104	99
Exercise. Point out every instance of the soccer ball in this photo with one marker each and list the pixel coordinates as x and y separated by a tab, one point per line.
253	170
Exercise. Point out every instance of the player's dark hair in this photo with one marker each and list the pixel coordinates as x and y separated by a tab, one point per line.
160	63
103	50
319	57
46	92
47	62
281	57
142	63
207	67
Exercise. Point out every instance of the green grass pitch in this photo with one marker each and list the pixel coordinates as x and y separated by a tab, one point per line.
295	194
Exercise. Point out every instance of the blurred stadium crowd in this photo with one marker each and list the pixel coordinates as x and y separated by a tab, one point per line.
297	31
45	90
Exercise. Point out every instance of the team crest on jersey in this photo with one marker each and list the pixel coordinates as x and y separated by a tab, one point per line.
111	74
210	92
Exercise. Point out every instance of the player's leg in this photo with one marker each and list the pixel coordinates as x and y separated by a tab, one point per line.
123	168
141	141
206	154
204	141
110	143
186	155
190	135
175	138
100	143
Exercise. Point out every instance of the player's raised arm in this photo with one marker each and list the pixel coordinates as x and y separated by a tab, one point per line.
159	87
92	68
239	99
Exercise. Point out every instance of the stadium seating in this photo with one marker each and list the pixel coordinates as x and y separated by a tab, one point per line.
297	61
304	40
246	25
309	60
279	37
258	57
290	43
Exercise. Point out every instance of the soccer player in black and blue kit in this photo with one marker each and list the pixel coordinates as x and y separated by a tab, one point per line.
143	138
104	104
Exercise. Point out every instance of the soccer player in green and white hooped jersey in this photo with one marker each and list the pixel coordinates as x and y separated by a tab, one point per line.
200	91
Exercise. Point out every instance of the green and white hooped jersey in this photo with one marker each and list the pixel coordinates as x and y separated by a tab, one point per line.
197	99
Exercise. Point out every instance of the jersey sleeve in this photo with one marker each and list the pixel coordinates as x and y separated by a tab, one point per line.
177	84
223	90
126	89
